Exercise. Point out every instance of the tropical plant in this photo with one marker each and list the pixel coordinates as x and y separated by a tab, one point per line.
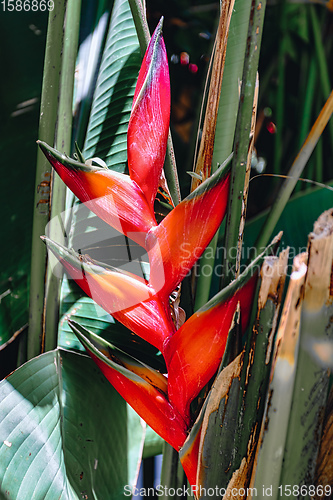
228	386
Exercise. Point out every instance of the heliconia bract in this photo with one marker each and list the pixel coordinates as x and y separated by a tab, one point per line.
149	122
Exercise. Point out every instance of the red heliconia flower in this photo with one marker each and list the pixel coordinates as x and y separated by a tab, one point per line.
177	242
194	352
126	202
189	453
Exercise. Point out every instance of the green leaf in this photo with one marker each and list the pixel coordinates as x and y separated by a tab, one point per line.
226	122
94	25
63	139
62	418
153	444
220	426
257	359
243	144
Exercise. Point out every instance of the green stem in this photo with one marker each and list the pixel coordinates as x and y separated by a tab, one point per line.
257	358
314	169
153	444
141	25
170	170
47	124
225	125
62	143
319	163
170	471
311	80
236	209
232	75
207	263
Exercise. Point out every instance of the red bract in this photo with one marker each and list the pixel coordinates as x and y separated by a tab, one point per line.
194	353
180	239
141	386
128	298
149	403
149	123
189	452
112	196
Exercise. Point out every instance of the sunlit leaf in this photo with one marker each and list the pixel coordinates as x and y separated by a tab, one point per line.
113	97
60	420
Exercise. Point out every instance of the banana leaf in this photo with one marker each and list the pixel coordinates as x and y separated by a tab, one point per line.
61	419
105	138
